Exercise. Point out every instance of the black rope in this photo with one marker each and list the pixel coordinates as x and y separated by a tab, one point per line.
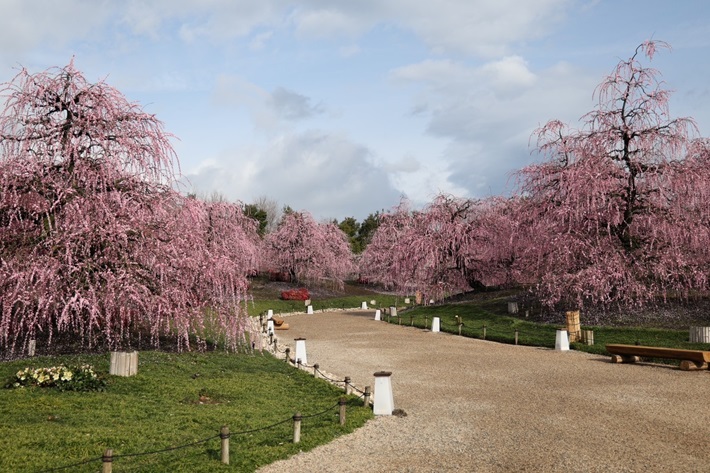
329	379
356	389
260	428
169	449
323	412
90	460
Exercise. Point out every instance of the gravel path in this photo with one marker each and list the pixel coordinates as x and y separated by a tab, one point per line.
478	406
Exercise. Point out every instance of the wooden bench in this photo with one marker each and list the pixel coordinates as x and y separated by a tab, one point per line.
690	359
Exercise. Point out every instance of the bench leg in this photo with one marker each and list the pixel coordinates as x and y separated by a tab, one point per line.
688	365
624	359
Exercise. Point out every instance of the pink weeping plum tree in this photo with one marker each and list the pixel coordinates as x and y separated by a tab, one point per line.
96	248
308	251
425	250
618	214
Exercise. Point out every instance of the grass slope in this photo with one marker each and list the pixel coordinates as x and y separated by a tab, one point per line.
500	326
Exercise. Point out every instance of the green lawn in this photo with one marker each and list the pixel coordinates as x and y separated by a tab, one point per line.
175	399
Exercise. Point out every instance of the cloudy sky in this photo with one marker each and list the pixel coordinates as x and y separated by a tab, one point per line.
340	107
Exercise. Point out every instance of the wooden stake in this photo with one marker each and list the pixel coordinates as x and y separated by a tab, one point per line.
347	384
107	460
516	337
297	427
342	403
224	435
366	396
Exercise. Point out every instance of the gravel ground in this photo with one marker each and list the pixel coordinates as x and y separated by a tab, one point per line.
478	406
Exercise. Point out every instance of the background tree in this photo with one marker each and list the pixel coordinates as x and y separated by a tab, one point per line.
367	230
258	214
620	202
350	226
310	252
271	208
95	246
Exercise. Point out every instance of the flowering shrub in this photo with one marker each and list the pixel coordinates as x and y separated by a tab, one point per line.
78	378
301	294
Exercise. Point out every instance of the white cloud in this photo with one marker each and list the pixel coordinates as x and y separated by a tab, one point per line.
488	112
479	27
308	171
24	25
291	105
269	111
260	40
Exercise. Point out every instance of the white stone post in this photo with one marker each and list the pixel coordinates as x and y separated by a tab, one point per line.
561	341
309	310
384	401
363	305
270	314
377	314
301	350
393	311
436	324
270	327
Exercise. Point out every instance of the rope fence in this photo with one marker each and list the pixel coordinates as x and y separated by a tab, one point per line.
108	458
224	435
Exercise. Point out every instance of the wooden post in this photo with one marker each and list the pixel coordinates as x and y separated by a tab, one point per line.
298	363
399	319
366	396
297	427
411	320
342	403
347	384
516	337
315	370
107	460
276	344
484	331
288	355
31	347
224	435
588	337
426	322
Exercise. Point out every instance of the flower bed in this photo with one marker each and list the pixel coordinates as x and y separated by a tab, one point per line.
79	378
